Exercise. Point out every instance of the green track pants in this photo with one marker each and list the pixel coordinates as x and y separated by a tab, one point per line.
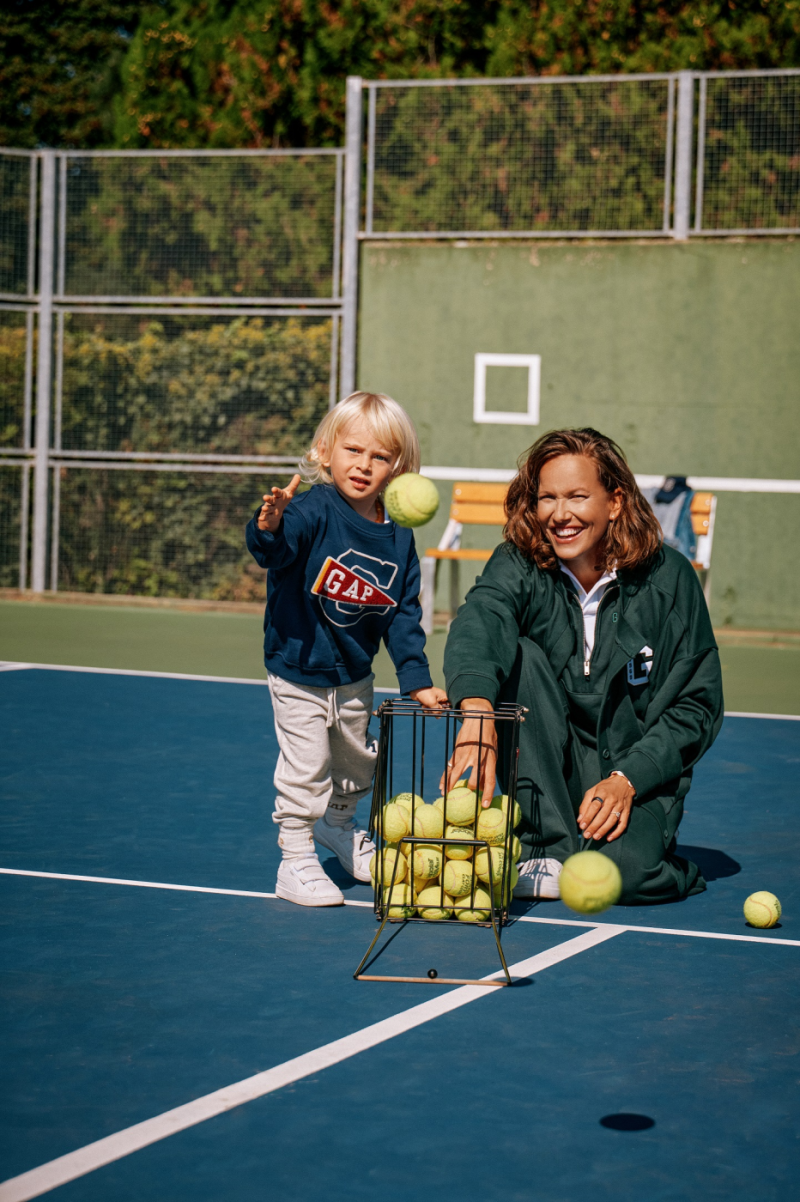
555	770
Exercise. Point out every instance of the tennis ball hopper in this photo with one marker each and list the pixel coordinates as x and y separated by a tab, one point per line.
443	859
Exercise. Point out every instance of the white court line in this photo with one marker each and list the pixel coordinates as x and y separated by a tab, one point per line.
559	922
114	880
572	922
13	666
105	1151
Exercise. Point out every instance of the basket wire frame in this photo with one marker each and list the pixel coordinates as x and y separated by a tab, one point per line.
424	761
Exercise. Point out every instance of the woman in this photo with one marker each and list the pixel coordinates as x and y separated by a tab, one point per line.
603	633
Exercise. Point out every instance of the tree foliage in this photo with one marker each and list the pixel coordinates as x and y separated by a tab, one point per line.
192	73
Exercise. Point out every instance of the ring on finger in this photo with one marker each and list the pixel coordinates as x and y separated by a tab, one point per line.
617	813
599	800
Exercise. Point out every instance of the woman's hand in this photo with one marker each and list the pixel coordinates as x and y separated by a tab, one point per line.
430	699
477	738
274	505
606	809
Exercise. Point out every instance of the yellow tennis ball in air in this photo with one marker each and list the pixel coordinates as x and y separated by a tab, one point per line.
590	882
483	862
389	855
411	499
500	802
457	877
460	806
491	826
762	909
396	822
477	909
426	862
428	822
431	904
459	851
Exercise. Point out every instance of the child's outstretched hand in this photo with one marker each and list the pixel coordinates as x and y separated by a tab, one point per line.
430	699
274	505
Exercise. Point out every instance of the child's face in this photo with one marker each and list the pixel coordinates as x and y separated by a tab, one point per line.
360	466
574	508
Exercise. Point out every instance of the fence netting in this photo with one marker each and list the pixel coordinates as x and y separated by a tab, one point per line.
10	523
13	354
751	153
170	383
227	226
512	157
159	533
15	191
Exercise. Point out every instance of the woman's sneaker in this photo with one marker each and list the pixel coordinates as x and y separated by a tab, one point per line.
350	844
305	883
538	878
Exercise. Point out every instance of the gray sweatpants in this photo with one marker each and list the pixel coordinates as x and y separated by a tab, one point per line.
326	760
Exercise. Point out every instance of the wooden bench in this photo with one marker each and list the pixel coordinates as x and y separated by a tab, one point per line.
484	505
704	512
471	505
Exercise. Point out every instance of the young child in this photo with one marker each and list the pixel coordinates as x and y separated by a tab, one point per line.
341	578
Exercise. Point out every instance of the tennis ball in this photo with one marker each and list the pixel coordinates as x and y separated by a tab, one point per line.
426	862
500	802
439	804
396	821
590	882
459	851
400	903
409	800
432	906
503	896
516	849
491	826
483	861
428	822
389	856
762	909
457	877
411	499
460	806
480	911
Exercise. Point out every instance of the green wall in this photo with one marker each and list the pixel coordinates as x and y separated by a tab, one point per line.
687	354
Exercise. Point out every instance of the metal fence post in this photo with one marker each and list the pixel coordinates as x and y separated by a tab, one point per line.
352	206
683	156
44	369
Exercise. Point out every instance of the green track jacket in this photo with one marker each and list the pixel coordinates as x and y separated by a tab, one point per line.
653	727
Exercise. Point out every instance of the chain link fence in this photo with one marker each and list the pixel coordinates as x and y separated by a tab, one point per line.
748	157
543	156
237	226
189	304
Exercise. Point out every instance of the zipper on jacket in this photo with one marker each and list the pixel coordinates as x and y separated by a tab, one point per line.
587	661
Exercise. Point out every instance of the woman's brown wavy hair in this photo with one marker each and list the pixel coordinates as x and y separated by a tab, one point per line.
631	540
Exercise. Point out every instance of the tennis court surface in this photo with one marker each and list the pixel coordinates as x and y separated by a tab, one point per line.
171	1031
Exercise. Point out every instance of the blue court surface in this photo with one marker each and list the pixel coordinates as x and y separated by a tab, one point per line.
211	1044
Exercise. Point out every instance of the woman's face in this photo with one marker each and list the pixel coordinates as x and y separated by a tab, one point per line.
574	508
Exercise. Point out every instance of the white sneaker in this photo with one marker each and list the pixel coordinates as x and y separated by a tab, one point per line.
305	883
350	844
538	878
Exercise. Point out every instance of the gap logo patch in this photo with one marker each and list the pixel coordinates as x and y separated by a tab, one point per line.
351	585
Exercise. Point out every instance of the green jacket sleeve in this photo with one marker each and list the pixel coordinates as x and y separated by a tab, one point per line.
685	713
483	639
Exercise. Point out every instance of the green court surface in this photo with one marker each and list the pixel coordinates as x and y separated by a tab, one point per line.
758	678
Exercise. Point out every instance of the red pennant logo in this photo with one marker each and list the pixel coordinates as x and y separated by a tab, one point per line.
339	583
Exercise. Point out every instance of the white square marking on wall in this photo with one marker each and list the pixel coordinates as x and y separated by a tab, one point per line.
479	411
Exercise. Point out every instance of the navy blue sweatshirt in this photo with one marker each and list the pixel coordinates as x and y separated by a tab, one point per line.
338	584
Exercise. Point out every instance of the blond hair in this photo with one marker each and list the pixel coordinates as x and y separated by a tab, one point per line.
387	420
